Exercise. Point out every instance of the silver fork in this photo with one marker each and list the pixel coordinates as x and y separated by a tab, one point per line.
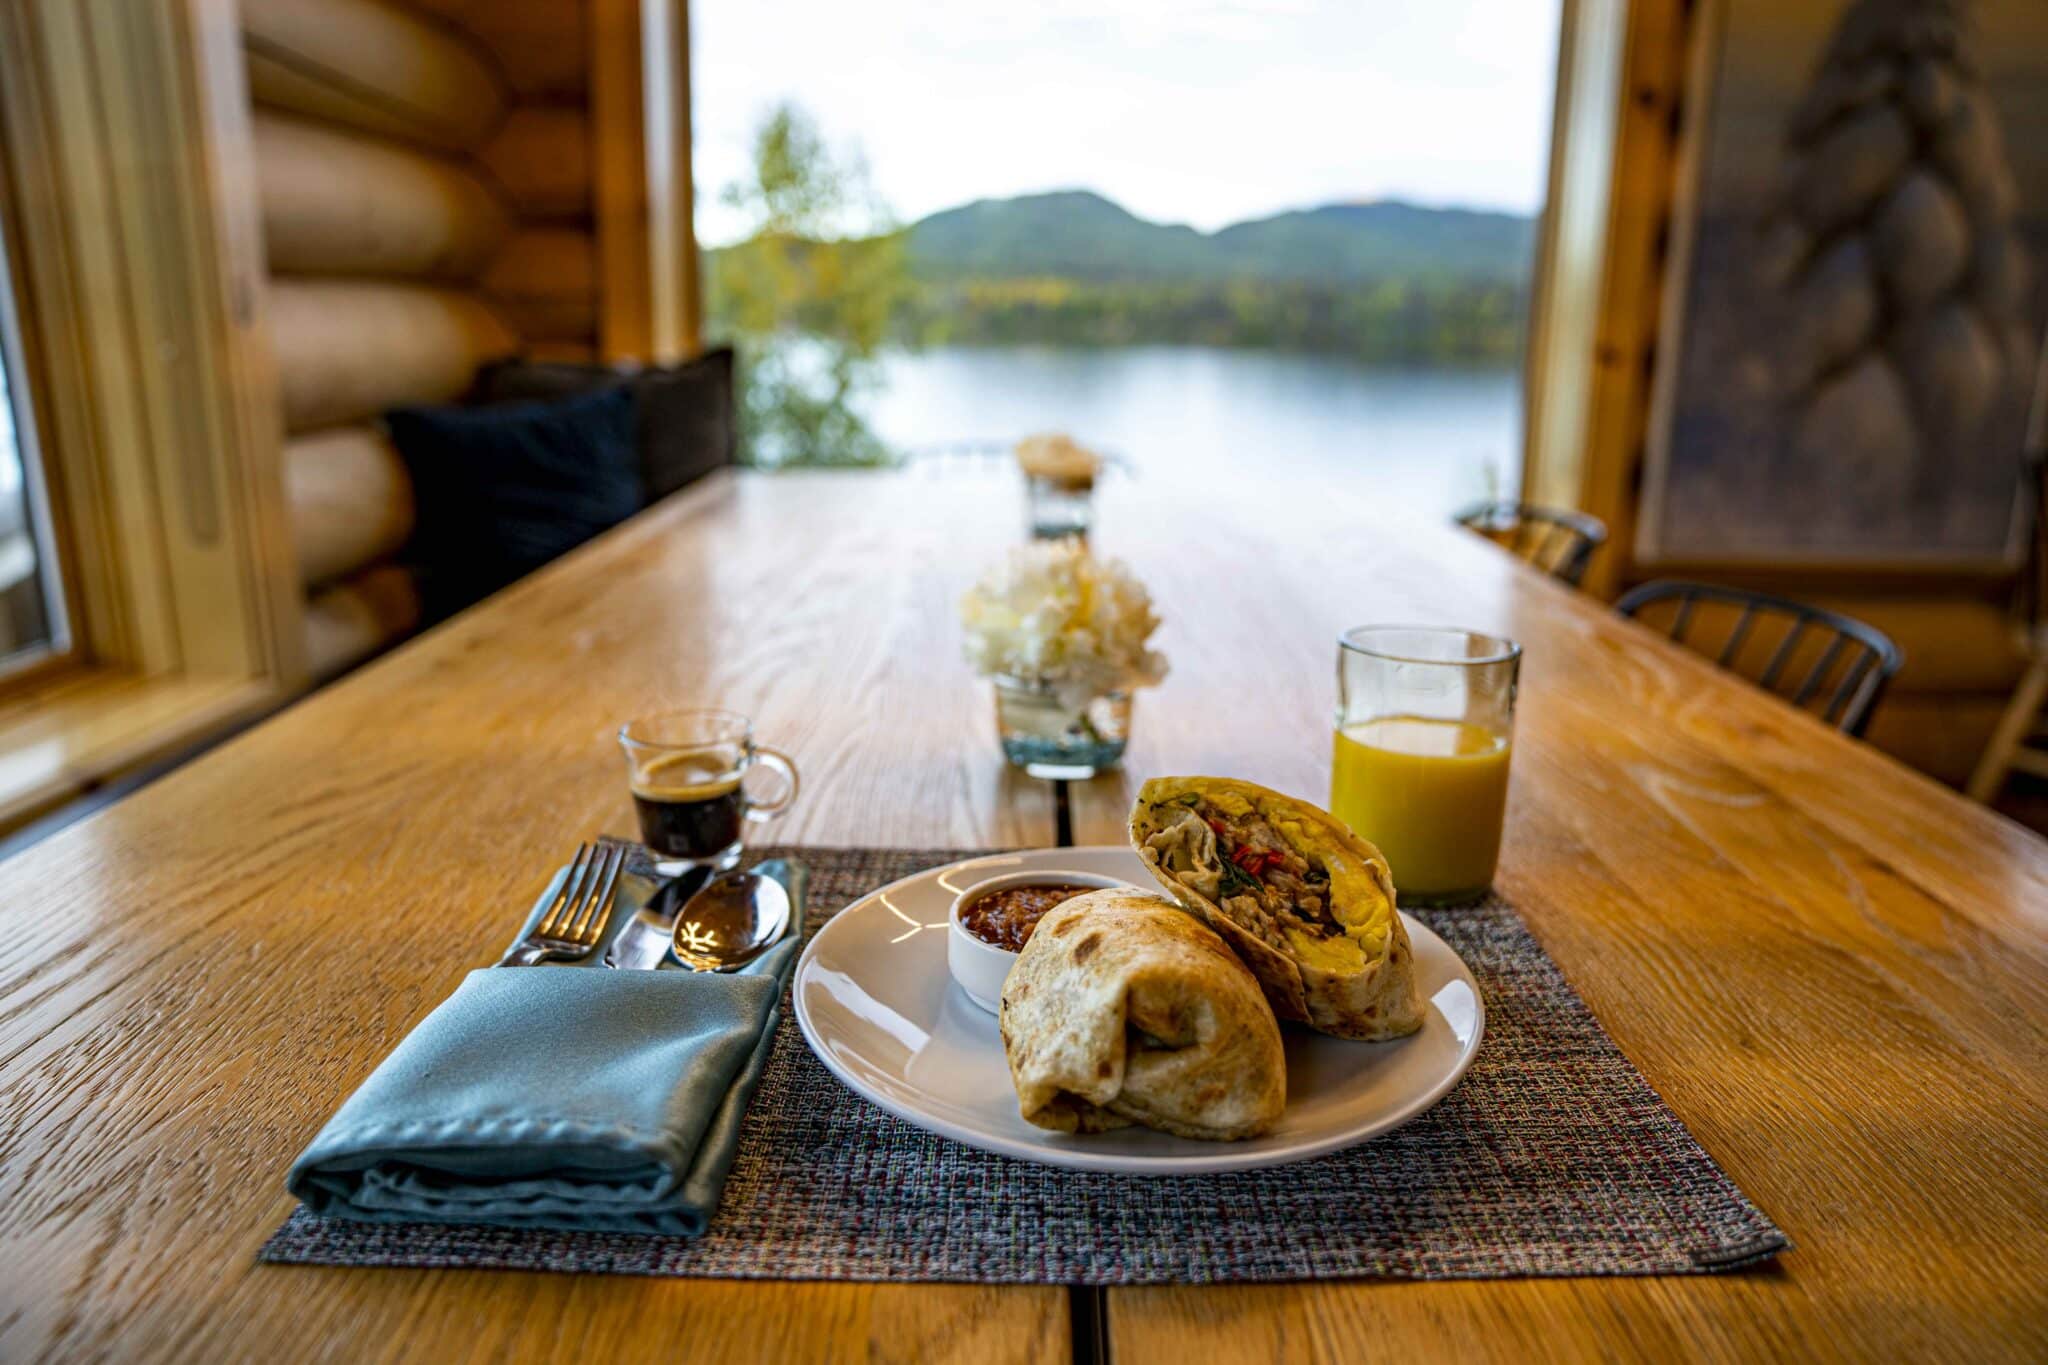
582	906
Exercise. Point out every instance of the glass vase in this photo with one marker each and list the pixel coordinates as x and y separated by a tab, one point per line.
1049	738
1057	508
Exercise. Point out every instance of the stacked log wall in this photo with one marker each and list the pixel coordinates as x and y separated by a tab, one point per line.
424	181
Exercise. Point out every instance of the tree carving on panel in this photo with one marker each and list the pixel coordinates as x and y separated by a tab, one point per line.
1853	349
1893	233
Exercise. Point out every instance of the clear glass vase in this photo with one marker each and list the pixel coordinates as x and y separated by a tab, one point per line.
1056	508
1048	738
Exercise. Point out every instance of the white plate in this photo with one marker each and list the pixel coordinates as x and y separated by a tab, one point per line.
877	1004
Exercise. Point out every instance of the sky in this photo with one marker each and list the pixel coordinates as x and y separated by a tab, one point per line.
1205	112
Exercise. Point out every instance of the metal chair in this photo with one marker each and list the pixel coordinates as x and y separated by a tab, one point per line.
1872	657
1555	540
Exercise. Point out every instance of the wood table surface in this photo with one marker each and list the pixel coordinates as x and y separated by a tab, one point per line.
1835	971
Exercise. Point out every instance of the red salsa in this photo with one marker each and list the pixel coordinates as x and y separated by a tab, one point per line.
1007	916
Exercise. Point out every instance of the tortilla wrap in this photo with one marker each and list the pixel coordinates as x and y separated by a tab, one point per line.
1124	1009
1303	900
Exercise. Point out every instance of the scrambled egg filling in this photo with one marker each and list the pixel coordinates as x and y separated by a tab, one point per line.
1281	876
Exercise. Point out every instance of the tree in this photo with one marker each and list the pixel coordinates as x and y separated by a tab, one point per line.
807	296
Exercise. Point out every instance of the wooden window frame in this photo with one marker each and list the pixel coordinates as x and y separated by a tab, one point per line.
650	295
138	277
1600	265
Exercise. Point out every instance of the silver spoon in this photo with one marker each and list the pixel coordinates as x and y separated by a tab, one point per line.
733	920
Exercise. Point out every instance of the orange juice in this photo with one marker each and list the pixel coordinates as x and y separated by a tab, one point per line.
1430	793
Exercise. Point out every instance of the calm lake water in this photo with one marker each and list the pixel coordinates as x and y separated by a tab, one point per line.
1426	437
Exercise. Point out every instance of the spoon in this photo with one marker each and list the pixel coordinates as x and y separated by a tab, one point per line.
733	920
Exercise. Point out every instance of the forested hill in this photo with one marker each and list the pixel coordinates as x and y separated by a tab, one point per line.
1079	235
1385	281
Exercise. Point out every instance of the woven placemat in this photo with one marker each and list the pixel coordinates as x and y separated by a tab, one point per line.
1553	1157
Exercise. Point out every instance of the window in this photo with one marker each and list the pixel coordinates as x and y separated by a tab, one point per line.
1193	236
31	607
137	380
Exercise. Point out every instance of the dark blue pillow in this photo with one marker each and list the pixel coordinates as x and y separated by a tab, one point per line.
500	491
687	424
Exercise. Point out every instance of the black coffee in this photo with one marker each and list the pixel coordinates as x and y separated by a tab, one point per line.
689	808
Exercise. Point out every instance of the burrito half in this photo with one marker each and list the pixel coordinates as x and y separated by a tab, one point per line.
1124	1009
1305	902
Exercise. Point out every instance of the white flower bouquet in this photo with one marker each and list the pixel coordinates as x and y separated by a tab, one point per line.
1054	617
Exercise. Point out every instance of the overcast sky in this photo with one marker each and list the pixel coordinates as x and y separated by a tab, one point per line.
1196	111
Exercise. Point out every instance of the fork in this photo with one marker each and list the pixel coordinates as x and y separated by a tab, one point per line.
581	907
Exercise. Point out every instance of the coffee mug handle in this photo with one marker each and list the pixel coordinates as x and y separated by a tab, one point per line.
782	763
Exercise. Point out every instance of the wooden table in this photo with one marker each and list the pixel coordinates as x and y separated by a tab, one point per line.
1835	971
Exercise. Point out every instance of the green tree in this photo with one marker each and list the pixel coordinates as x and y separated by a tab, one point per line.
807	296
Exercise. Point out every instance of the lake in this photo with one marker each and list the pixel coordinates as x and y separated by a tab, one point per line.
1426	437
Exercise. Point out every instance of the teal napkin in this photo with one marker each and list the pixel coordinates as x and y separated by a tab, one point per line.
553	1097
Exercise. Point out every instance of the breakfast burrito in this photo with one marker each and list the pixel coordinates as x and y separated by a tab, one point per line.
1305	902
1124	1009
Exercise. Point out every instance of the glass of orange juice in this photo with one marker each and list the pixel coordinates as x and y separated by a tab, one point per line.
1425	727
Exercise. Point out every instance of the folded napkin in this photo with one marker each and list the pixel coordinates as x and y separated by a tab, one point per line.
591	1100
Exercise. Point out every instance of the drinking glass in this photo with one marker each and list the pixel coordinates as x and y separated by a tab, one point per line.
1425	729
688	770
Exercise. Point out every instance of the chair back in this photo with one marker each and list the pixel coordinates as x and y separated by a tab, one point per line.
1555	540
1842	664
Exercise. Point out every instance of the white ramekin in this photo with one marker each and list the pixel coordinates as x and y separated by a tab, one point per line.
981	968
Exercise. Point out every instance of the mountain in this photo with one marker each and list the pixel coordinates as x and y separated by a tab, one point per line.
1077	234
1381	282
1383	239
1070	233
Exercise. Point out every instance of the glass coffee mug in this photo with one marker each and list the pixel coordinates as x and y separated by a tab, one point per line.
688	771
1425	728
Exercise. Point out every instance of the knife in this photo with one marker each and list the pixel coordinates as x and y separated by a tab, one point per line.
644	942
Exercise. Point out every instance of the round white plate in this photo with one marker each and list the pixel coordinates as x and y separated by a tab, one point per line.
877	1004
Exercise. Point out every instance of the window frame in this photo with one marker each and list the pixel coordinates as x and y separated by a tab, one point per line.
135	254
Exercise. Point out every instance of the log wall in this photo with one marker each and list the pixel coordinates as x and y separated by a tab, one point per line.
540	158
424	181
351	502
337	203
378	68
349	621
348	350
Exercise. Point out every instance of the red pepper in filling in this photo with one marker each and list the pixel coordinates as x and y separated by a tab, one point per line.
1255	861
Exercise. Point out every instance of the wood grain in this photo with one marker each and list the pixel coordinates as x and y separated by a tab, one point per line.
541	45
640	180
1599	291
544	283
337	203
1568	296
541	157
124	141
71	735
351	500
1835	971
348	350
186	994
377	67
620	184
349	621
